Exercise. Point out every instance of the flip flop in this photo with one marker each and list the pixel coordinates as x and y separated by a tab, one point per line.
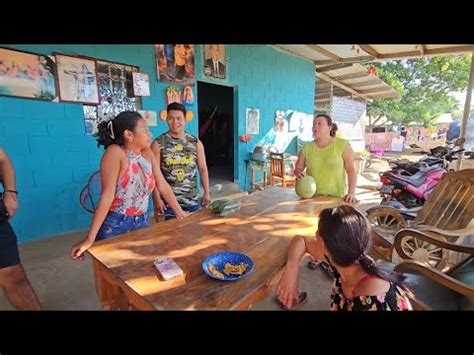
300	301
312	265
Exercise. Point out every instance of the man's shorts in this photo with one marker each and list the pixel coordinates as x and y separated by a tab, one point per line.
9	254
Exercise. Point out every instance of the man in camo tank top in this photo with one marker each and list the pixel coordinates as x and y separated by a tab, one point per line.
180	155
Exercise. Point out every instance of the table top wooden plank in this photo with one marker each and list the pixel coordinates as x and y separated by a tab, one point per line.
262	229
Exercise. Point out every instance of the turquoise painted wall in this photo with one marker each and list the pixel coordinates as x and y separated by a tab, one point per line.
53	157
266	78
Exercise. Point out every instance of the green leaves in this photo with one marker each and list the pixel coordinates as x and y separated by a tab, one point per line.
424	85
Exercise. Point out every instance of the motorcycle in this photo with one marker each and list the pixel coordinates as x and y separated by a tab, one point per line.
410	184
432	160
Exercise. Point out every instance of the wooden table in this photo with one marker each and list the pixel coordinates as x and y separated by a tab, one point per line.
262	229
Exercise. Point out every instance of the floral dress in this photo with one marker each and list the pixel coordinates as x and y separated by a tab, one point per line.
131	194
395	299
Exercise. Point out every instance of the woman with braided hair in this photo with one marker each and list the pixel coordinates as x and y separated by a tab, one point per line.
343	240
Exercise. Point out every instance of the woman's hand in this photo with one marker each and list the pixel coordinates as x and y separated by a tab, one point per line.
159	209
299	173
181	214
11	203
287	289
350	197
77	251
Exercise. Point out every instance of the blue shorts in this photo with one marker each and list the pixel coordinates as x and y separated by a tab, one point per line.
117	223
169	212
9	255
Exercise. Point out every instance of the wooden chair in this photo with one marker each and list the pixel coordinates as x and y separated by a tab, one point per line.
449	289
437	290
444	218
278	171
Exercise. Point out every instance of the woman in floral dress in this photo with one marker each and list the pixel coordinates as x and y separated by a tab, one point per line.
343	240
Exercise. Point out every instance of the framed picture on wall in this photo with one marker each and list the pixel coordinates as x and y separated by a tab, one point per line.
175	63
149	116
215	61
252	121
141	84
116	93
28	75
77	79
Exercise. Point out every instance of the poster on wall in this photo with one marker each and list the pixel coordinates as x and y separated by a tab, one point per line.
305	128
175	63
253	120
281	122
173	94
215	61
295	120
27	75
141	84
149	116
77	79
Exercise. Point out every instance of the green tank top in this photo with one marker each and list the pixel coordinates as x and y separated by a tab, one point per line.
178	163
326	166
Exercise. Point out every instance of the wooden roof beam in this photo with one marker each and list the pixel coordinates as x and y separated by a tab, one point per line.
428	52
342	86
370	50
333	67
324	52
364	83
366	58
422	49
376	90
352	76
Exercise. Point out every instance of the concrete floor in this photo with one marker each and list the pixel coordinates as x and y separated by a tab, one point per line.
62	284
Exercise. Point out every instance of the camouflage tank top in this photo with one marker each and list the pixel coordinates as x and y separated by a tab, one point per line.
178	162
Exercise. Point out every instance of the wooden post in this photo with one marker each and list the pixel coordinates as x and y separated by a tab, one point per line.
331	94
467	110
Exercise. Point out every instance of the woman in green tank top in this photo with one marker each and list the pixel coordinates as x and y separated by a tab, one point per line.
328	159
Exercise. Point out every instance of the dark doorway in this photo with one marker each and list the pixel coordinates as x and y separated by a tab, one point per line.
216	129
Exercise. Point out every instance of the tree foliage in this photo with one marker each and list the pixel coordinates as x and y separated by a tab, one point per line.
425	86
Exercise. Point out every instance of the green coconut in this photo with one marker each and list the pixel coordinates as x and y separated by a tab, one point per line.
305	187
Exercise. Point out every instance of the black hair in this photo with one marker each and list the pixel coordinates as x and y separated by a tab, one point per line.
346	234
330	123
111	131
176	106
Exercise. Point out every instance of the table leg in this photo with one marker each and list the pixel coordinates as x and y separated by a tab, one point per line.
106	291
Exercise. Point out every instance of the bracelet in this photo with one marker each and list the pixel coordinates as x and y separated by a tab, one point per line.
14	191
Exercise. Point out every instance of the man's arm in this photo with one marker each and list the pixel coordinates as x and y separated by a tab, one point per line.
202	166
7	175
158	204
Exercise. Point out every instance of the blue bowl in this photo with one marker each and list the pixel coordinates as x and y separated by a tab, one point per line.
219	260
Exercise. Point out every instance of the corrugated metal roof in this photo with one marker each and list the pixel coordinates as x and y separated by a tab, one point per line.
352	80
340	53
339	64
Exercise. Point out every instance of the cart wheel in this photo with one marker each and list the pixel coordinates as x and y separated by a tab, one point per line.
425	252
